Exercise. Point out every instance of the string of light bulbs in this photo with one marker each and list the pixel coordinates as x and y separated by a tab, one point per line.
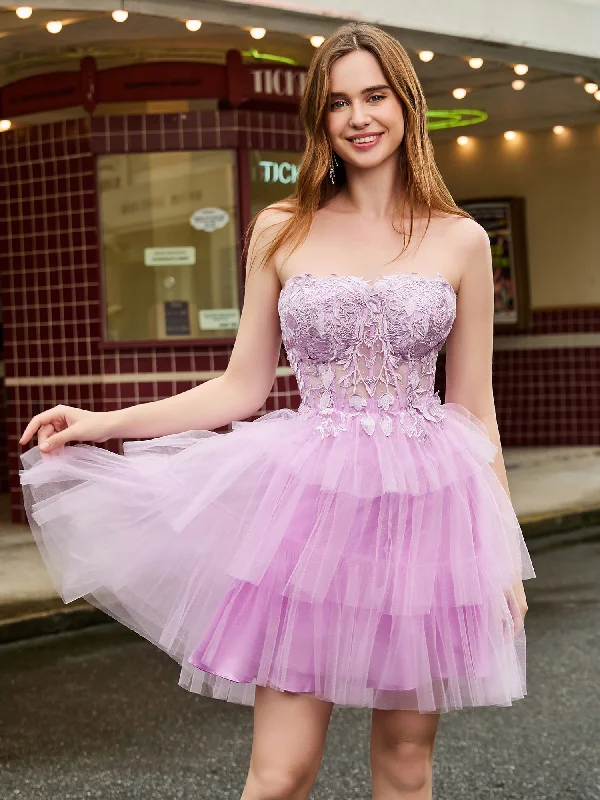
475	62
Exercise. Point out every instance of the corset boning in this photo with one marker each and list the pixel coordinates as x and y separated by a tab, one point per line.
365	353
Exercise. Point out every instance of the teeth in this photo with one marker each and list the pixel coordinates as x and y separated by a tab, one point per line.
365	139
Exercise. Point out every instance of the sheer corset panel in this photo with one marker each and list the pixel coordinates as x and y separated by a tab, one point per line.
367	351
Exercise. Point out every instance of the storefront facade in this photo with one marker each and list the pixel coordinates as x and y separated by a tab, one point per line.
121	235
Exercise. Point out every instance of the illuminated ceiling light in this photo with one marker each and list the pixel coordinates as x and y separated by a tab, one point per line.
459	94
521	69
193	25
54	26
425	55
257	33
591	88
597	95
463	140
5	124
558	129
120	15
24	12
317	41
476	63
510	135
518	85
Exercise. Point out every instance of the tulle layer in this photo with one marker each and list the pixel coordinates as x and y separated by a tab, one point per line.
368	571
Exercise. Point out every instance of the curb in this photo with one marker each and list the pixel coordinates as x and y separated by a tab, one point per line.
61	618
571	520
48	623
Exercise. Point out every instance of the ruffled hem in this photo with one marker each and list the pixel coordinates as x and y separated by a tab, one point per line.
368	571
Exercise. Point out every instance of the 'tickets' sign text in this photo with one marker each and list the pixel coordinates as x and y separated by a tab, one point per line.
279	82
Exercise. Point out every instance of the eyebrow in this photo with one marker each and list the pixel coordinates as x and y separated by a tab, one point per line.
368	90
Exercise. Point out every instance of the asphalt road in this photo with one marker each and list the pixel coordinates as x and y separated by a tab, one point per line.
98	714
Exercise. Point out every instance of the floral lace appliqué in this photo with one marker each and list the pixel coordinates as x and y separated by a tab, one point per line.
367	351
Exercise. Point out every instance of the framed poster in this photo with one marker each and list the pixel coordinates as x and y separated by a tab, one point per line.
504	220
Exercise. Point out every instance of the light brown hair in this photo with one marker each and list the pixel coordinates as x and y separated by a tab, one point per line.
425	188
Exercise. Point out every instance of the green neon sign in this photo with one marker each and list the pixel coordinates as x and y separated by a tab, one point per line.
268	57
439	119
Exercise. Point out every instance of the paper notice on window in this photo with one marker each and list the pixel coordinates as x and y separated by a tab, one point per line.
217	319
177	318
169	256
209	219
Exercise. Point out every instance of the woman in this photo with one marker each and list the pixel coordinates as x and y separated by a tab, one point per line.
362	550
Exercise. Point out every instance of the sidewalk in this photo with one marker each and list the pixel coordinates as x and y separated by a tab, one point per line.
552	489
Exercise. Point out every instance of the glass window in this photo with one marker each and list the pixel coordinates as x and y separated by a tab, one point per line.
273	174
169	233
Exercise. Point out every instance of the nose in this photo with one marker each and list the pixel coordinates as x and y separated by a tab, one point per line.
359	118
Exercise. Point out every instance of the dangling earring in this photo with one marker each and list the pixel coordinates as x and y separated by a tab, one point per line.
332	165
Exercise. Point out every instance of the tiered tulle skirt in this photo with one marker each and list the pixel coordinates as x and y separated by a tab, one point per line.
366	571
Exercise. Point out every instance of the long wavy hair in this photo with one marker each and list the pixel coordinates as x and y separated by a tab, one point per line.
424	188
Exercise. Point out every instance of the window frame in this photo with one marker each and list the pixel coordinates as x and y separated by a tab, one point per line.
241	204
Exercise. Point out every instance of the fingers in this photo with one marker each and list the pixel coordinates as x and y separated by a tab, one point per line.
58	439
45	418
44	432
30	430
517	612
519	625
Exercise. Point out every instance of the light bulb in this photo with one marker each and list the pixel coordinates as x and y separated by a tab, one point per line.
510	135
193	25
425	55
476	63
24	12
558	129
120	15
54	26
521	69
317	41
257	33
518	85
459	94
463	140
597	95
591	88
5	124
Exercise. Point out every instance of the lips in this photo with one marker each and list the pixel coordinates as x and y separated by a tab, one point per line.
365	141
365	136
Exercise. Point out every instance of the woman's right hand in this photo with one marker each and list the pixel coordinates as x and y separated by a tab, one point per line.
61	424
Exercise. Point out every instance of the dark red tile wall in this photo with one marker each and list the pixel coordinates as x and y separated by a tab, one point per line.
548	397
51	290
4	466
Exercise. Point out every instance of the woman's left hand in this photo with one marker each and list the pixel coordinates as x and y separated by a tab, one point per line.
518	614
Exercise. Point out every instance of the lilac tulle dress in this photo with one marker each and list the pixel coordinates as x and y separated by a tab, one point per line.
360	549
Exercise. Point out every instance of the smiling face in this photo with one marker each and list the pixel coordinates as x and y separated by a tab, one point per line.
364	123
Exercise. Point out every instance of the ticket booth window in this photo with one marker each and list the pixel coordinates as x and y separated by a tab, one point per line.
273	175
169	238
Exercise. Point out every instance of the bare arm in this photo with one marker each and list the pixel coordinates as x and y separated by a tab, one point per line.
248	379
469	348
237	394
469	351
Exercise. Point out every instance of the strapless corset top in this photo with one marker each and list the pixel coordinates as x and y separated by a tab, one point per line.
367	350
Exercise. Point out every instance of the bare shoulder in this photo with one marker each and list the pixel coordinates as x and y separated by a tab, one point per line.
267	225
470	245
464	232
273	216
